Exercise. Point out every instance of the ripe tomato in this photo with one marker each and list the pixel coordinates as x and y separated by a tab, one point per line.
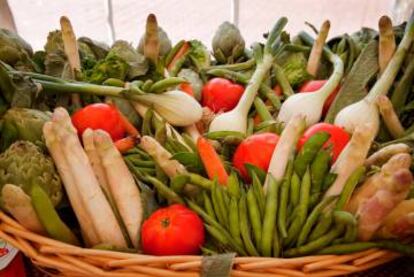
314	85
99	116
257	150
220	94
174	230
339	137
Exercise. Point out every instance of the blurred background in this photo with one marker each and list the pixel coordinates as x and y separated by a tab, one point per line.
186	19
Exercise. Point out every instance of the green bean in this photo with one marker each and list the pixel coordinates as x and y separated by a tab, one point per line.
250	127
141	163
314	199
178	183
216	234
403	88
277	246
313	217
259	193
162	85
274	100
200	181
407	250
173	52
323	225
284	194
160	174
294	189
309	150
144	155
216	205
148	171
328	181
233	185
239	248
255	218
262	110
269	220
161	134
226	198
320	166
295	227
315	245
245	228
351	232
208	206
223	134
282	80
147	85
114	82
347	248
234	226
260	174
146	129
235	67
349	187
165	191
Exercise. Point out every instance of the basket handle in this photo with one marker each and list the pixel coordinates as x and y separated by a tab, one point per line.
217	265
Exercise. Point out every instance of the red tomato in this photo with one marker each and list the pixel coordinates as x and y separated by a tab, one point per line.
257	150
99	116
174	230
186	87
314	85
220	94
15	268
339	137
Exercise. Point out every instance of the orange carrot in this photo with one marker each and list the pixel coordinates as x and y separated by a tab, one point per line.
126	144
180	53
211	161
187	88
129	127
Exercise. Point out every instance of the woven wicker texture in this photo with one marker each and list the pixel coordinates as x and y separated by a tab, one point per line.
60	259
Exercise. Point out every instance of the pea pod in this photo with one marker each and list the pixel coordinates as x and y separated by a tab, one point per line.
319	168
223	134
315	245
165	191
245	228
233	185
234	223
114	82
49	218
284	194
162	85
349	187
323	225
313	217
259	193
255	217
296	226
208	205
309	150
269	220
294	190
147	85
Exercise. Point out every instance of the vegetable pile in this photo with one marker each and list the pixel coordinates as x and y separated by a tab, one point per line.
294	146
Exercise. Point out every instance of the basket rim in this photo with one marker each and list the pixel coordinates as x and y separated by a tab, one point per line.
78	261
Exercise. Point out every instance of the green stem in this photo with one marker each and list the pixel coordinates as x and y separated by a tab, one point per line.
236	67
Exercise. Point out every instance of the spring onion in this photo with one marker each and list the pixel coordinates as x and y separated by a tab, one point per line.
236	119
365	110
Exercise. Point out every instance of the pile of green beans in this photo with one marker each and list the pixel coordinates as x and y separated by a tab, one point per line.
291	219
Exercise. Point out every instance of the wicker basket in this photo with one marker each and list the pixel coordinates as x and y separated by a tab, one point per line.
60	259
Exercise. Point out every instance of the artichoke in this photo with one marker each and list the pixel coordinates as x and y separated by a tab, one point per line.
137	63
99	49
199	54
294	67
22	124
23	164
56	62
15	51
165	43
228	43
111	67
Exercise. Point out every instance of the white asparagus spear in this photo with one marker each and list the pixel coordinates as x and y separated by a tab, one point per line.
19	205
91	194
89	232
95	160
122	187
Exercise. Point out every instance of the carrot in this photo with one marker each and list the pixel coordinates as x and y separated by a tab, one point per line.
129	127
180	53
211	161
187	88
127	143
